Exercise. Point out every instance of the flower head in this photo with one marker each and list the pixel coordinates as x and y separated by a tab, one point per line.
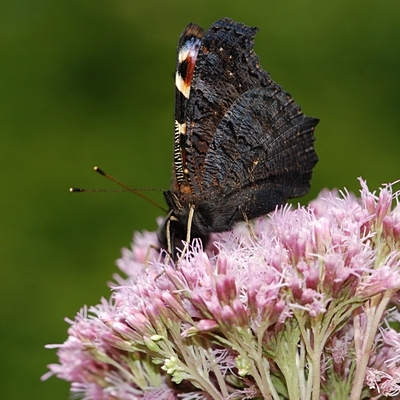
297	307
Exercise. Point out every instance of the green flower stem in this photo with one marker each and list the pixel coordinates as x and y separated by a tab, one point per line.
248	350
316	354
364	341
196	366
301	366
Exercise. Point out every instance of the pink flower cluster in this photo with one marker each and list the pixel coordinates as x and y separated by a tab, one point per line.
302	306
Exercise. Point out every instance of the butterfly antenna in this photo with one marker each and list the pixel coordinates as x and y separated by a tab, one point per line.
115	180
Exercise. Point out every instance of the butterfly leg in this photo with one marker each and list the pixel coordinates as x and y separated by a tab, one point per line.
188	231
249	227
168	235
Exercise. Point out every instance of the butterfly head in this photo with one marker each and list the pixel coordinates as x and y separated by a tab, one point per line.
174	230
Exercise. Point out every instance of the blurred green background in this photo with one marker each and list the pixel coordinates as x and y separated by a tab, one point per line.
87	83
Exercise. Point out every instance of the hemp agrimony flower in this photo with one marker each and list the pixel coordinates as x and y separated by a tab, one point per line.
304	308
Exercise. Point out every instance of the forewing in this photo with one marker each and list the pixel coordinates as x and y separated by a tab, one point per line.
263	140
226	68
186	57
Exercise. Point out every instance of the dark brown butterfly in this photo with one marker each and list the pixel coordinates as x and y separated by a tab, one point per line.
242	145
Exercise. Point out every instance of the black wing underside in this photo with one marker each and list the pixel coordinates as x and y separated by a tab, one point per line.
242	144
241	127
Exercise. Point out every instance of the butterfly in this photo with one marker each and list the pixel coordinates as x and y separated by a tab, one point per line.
242	145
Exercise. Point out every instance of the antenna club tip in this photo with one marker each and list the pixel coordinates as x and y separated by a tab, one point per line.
97	169
72	190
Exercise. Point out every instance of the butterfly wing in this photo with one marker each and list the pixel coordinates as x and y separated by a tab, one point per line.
242	145
226	68
264	139
187	53
247	143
